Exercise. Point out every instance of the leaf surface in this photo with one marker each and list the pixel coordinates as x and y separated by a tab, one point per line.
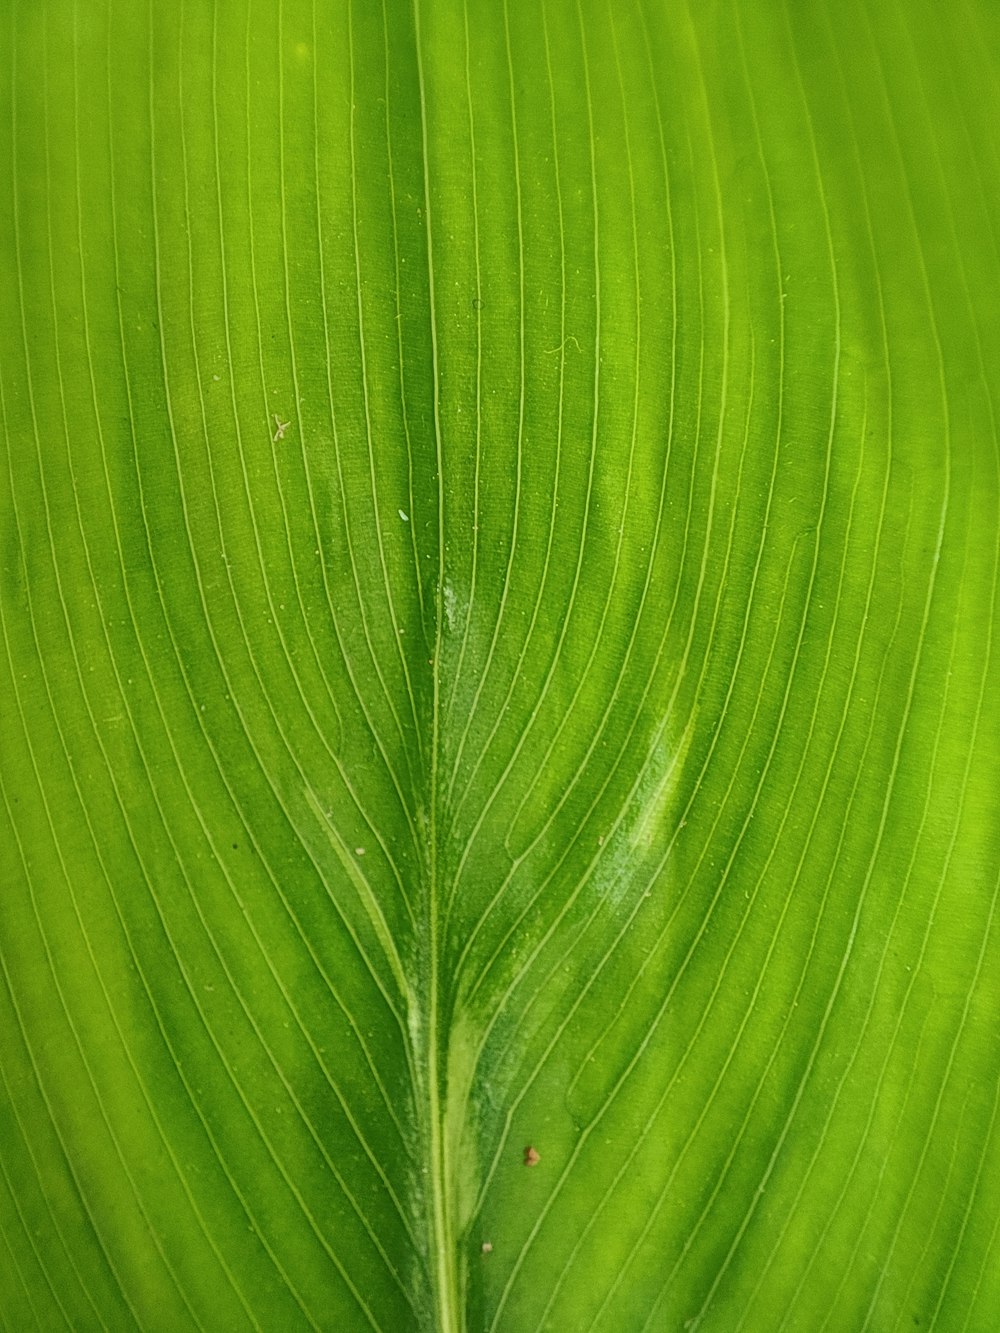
499	578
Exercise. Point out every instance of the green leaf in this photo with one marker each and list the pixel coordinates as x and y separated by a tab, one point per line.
498	553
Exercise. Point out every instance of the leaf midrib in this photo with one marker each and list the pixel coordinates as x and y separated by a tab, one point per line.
430	1051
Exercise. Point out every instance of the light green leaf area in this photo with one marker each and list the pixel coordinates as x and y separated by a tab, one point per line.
499	524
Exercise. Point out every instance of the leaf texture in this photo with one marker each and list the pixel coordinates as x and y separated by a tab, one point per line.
500	704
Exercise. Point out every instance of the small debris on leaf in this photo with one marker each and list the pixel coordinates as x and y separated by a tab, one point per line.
487	1247
404	517
359	851
531	1157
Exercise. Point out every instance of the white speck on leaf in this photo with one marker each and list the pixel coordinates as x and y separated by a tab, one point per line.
404	517
281	427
